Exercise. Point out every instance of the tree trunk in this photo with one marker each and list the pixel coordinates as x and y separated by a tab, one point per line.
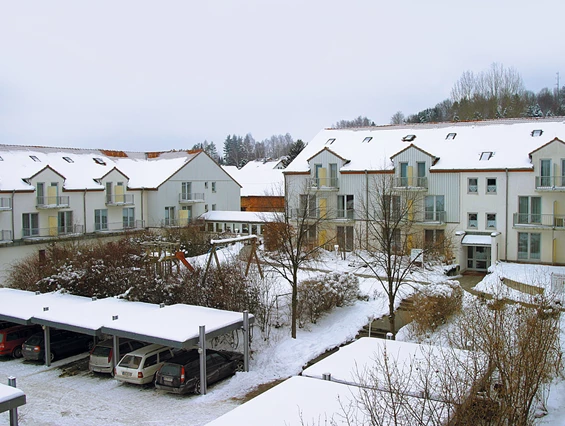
294	309
391	318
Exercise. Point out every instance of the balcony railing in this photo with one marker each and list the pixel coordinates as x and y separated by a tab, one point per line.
528	220
58	202
5	235
324	183
119	200
411	182
119	226
550	183
346	214
304	213
5	203
193	197
175	222
434	216
53	231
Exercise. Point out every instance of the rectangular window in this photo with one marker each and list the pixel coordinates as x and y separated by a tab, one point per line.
345	237
491	185
333	175
529	210
210	227
170	216
30	224
434	208
109	193
345	206
40	188
545	173
421	170
434	238
391	207
472	185
529	246
219	227
65	222
472	221
128	217
101	220
491	220
213	207
403	174
205	185
205	207
307	206
186	191
562	172
213	186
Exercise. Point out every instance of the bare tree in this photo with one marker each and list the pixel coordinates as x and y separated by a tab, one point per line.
292	240
394	209
398	118
356	122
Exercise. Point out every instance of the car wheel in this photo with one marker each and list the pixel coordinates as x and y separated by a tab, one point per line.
239	367
52	356
17	352
197	387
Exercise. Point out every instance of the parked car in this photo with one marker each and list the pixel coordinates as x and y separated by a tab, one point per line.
139	367
181	374
101	355
6	324
12	338
63	343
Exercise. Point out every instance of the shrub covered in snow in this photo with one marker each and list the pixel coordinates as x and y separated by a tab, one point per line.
323	293
434	304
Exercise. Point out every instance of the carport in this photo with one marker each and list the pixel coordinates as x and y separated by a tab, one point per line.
179	326
10	399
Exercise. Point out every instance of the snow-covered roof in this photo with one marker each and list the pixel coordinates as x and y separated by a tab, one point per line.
175	325
306	401
235	216
10	398
371	148
423	365
82	167
259	178
476	240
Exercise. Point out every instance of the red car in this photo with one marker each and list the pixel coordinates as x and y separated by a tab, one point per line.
11	338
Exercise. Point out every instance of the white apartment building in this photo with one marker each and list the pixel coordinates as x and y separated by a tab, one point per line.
497	188
52	193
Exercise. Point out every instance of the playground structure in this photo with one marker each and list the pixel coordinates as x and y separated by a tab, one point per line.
163	255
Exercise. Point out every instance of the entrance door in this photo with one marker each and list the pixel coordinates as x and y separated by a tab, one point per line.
478	258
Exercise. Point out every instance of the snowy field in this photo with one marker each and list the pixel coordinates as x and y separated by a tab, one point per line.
65	395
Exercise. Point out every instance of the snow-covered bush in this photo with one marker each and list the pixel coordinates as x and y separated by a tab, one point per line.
434	304
323	293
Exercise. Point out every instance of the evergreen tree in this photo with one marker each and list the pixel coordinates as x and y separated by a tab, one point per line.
295	149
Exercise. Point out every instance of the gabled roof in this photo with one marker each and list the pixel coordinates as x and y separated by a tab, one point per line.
546	144
258	177
110	171
330	151
48	167
510	140
412	146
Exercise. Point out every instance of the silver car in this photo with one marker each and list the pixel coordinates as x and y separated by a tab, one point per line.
101	354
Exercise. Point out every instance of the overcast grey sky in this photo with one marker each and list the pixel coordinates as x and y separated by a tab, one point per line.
163	74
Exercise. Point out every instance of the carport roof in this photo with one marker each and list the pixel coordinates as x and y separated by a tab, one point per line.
10	398
176	325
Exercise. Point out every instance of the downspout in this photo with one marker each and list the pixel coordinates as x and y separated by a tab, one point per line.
366	210
84	210
506	224
142	192
13	223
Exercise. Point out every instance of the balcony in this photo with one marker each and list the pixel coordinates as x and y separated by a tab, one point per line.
192	197
539	221
303	213
347	214
5	236
175	223
437	217
411	183
59	202
52	232
550	183
119	226
5	203
119	200
330	184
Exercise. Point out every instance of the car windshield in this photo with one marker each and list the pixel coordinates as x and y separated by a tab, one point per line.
34	340
170	370
101	351
130	361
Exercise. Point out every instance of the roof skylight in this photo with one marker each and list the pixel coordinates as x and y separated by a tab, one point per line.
536	132
485	156
98	160
34	158
408	138
451	136
330	141
367	139
68	159
1	159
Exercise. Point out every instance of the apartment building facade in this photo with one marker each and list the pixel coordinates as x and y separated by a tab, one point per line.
496	189
53	193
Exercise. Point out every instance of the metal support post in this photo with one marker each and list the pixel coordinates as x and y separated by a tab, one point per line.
245	340
202	352
115	352
13	411
47	342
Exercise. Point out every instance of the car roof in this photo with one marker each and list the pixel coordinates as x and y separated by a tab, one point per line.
185	356
148	349
109	343
14	328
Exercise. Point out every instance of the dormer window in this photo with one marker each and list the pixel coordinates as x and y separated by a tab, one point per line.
98	160
367	139
536	133
450	136
68	159
408	138
34	158
485	156
330	141
1	159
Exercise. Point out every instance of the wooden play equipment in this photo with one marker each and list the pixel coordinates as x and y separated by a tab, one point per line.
163	255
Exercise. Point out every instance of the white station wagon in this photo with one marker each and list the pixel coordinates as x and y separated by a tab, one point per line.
139	367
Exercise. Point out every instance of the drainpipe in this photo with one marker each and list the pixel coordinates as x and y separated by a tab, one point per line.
84	210
13	229
142	192
366	210
506	224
